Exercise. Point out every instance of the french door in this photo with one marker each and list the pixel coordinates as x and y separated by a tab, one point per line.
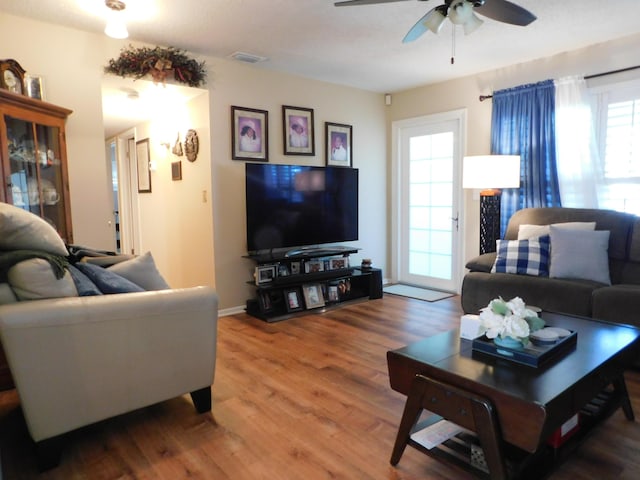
427	159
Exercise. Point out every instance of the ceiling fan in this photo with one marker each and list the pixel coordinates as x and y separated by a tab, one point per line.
459	12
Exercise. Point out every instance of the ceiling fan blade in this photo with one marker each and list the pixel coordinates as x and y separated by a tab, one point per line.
418	29
506	12
349	3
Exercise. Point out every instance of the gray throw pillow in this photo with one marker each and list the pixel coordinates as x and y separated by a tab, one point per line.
34	279
142	271
23	230
580	254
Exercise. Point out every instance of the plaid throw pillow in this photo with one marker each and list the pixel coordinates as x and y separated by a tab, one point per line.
526	257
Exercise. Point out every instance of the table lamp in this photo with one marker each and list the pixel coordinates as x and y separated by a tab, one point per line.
490	173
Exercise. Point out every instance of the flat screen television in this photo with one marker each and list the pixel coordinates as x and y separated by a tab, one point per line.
300	206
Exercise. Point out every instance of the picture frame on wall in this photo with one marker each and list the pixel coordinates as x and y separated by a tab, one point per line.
313	297
298	130
176	170
249	134
143	160
293	300
338	144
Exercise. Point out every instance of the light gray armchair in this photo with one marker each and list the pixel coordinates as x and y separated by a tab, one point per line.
76	361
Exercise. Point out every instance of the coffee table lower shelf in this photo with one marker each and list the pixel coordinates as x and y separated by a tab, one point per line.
465	452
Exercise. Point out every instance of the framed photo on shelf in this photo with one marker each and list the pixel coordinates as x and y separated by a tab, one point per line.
265	274
313	297
295	268
338	144
143	161
313	266
249	134
332	293
298	130
283	270
265	301
34	86
293	300
338	263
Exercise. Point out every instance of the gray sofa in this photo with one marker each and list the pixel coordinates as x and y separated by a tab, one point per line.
618	302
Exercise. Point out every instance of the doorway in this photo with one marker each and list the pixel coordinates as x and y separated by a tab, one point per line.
427	198
122	164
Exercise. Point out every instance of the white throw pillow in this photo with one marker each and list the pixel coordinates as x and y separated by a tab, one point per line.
526	231
23	230
580	254
34	279
142	271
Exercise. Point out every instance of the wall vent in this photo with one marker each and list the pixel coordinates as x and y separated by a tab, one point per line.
247	57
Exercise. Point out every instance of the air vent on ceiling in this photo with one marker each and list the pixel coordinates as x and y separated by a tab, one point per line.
247	57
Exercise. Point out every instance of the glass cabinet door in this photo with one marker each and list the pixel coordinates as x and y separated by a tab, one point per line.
35	169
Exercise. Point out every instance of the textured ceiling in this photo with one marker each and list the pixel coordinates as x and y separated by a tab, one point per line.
359	46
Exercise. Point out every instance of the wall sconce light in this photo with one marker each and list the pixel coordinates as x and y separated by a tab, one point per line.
490	173
116	28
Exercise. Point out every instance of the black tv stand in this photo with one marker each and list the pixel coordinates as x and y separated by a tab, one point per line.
291	283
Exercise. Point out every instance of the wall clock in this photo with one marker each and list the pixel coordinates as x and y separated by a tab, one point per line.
191	145
12	76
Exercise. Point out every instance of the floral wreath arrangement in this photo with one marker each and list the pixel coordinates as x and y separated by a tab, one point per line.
509	319
159	63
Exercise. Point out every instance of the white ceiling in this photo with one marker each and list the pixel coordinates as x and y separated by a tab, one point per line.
360	46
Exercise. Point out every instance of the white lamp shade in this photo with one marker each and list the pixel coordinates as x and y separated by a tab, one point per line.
472	24
491	171
460	12
434	21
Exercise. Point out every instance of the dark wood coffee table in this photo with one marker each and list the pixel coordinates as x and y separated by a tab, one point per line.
513	409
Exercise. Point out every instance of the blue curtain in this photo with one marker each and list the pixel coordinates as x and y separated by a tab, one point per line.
523	123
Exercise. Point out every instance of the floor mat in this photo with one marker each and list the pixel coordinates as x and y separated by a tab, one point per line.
416	292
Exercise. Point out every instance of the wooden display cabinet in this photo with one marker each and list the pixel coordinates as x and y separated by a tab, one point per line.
34	159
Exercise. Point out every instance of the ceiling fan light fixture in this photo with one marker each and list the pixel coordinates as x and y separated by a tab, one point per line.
436	18
472	24
460	12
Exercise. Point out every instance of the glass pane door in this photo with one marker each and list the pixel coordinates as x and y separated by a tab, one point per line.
428	240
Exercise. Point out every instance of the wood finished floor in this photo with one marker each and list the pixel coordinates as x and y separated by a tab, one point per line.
307	398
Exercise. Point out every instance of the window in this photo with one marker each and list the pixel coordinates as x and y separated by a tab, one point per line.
618	137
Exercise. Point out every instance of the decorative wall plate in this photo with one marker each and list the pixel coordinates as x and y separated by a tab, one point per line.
191	145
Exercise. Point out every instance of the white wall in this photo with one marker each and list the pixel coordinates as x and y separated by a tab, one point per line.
72	64
465	92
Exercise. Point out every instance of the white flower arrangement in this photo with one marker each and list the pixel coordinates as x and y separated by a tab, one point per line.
509	319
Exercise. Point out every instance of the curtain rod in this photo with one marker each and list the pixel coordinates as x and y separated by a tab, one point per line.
482	98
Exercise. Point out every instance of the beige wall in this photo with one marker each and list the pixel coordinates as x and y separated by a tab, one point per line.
176	218
464	93
176	224
241	85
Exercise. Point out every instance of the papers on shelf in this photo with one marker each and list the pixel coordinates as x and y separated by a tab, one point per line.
435	434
